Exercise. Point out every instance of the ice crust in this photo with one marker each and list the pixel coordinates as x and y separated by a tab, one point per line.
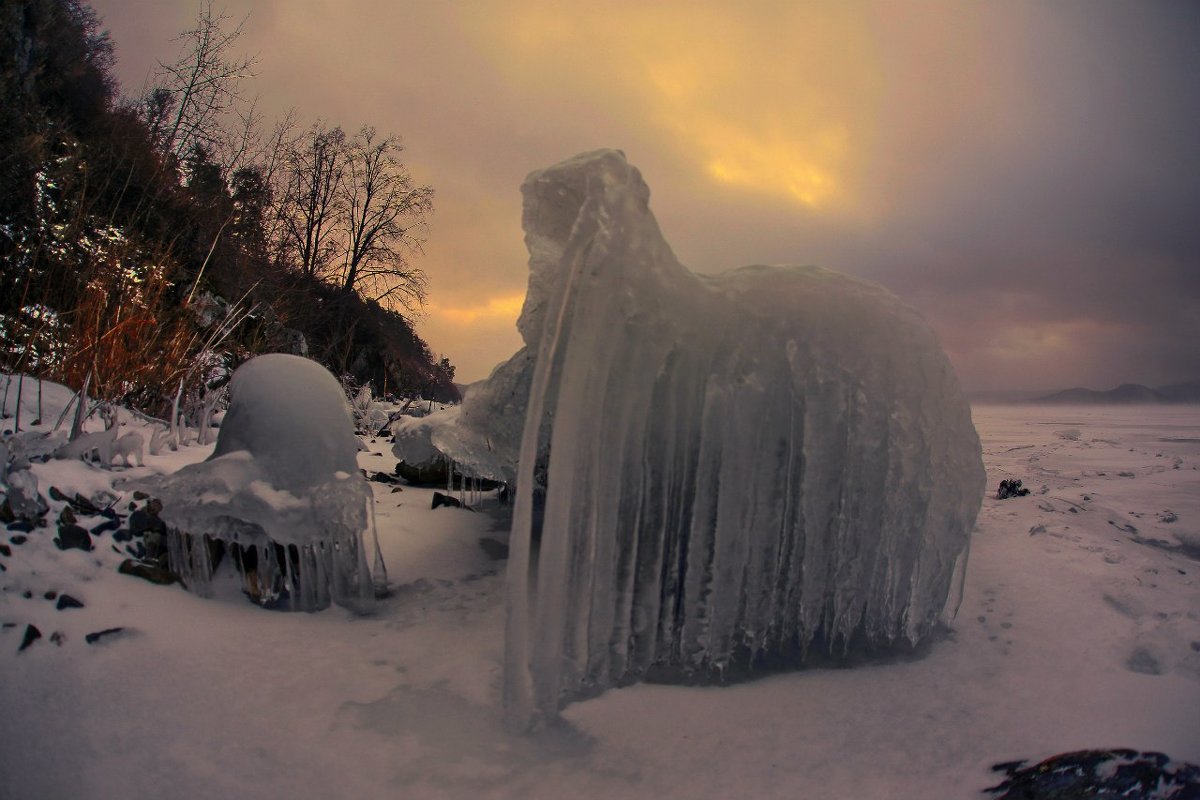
283	485
713	472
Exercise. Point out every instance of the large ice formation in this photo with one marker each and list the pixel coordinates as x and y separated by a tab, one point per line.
282	493
714	473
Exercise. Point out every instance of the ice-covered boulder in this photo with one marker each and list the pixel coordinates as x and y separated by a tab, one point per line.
715	472
282	493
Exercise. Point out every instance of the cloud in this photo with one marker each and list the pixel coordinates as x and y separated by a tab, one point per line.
776	102
504	308
1025	174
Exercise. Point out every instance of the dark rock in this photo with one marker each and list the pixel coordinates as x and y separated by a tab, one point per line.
154	506
6	512
397	489
122	535
84	506
66	601
32	634
57	494
28	595
92	638
148	572
1011	488
142	522
50	595
67	517
58	637
22	526
5	550
1098	773
155	545
440	500
106	526
73	537
138	494
18	539
382	477
438	474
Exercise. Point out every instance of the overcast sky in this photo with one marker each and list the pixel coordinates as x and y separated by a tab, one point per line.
1026	175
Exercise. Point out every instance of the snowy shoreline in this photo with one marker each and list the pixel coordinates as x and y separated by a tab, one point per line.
1080	628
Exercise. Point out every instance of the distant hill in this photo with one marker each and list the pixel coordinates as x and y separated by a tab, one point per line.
1003	396
1125	394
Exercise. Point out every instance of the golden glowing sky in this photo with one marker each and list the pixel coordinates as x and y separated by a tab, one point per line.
1016	171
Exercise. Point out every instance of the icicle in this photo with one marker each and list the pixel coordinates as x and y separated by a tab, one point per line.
379	576
715	471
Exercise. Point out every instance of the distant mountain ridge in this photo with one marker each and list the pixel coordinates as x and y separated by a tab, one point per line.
1125	394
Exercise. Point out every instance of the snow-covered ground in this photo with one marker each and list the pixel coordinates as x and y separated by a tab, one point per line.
1080	628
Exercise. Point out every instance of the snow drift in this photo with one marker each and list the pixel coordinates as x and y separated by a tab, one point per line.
714	473
282	493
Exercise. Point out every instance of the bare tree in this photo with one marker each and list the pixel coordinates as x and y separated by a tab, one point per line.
202	87
383	219
313	200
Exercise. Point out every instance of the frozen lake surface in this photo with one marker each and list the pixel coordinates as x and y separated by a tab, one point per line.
1080	628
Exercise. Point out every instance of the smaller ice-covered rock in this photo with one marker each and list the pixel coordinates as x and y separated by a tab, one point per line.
281	494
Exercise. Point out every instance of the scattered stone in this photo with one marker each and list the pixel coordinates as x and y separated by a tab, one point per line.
1168	517
66	601
1125	475
84	506
32	634
1011	488
18	539
1098	773
57	494
1036	529
58	637
22	526
67	517
5	550
440	500
122	535
28	595
397	489
138	494
50	595
73	537
148	572
143	521
382	477
106	526
92	638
